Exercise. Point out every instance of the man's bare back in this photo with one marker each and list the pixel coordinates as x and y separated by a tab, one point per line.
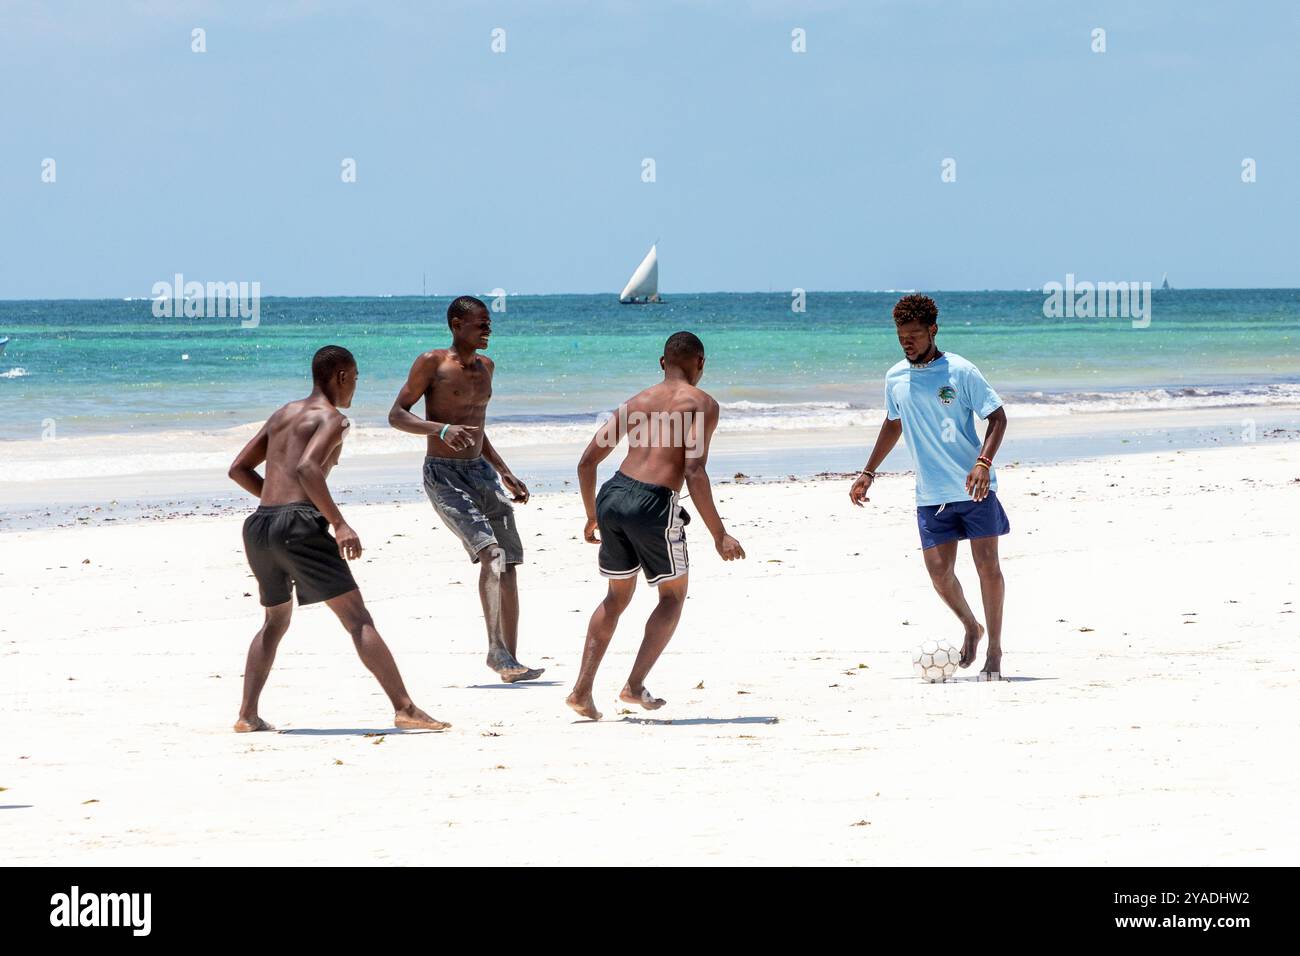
288	433
665	424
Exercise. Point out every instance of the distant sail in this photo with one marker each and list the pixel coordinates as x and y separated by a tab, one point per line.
1164	281
644	284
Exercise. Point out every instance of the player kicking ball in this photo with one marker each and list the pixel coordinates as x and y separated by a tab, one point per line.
288	541
931	398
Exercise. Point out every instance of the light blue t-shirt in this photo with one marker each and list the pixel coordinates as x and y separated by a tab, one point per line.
936	405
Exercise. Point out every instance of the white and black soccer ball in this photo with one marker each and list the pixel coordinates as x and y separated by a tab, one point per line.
936	661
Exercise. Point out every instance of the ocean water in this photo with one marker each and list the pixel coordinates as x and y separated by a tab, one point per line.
110	367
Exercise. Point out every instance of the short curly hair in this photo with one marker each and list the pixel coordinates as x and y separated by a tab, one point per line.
916	308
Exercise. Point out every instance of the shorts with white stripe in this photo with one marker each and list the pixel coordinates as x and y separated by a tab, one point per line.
642	528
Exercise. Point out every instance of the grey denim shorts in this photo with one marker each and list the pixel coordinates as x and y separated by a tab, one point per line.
467	494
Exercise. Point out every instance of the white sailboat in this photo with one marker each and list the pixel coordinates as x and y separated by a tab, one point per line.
1164	281
643	287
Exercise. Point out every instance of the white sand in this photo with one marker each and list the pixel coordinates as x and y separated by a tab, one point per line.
1150	621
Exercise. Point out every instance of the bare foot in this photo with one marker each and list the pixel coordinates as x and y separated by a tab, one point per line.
992	669
646	699
505	665
971	645
585	706
416	719
531	674
243	726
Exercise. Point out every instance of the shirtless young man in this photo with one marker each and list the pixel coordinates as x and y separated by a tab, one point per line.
288	541
461	472
668	427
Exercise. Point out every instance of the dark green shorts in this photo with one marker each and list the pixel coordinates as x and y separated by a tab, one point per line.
642	528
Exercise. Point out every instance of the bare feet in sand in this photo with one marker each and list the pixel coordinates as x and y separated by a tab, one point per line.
416	719
992	669
971	645
531	674
505	665
251	725
646	699
584	706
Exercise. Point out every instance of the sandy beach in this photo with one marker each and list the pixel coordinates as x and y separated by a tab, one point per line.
1151	614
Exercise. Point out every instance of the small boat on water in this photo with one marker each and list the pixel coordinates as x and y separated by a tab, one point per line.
643	287
1164	281
4	340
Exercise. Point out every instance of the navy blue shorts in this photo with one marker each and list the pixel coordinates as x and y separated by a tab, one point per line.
959	520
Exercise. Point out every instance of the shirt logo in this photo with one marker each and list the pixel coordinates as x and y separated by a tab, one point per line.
947	394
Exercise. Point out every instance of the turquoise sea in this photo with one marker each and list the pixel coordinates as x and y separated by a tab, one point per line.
105	367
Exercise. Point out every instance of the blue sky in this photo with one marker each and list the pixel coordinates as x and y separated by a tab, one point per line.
522	170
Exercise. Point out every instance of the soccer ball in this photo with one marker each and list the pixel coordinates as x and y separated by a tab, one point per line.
936	661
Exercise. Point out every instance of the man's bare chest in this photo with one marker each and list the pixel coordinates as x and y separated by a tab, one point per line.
461	386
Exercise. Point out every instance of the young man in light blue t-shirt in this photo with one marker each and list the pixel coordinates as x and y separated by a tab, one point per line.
931	398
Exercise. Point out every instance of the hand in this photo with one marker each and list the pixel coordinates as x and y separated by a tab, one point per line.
977	482
460	437
589	532
518	490
729	548
349	543
858	493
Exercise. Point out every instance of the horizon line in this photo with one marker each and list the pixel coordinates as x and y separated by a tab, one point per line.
614	295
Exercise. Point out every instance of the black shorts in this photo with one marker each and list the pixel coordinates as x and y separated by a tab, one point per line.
642	528
291	545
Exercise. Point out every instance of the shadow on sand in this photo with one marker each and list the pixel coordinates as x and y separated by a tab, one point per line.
352	732
516	686
698	721
972	679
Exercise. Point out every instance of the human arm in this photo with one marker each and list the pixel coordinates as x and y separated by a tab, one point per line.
890	431
697	482
321	448
980	397
606	439
977	482
518	490
243	469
